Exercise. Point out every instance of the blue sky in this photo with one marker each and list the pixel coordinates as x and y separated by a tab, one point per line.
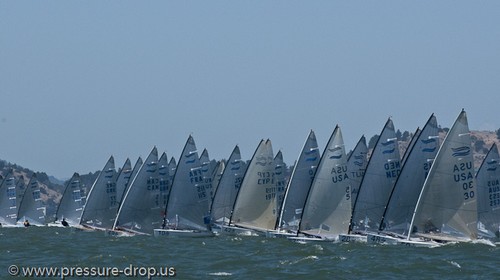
83	80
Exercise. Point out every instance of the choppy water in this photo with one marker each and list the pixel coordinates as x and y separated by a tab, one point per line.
227	257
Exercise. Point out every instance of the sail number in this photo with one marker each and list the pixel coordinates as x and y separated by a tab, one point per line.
463	173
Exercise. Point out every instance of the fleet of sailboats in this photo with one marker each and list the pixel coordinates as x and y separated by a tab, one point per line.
431	195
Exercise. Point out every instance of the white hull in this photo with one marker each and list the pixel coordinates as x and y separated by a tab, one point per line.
118	233
55	225
307	239
11	226
418	243
231	230
280	234
181	233
352	238
373	238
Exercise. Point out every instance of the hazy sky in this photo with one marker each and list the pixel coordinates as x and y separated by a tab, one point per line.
83	80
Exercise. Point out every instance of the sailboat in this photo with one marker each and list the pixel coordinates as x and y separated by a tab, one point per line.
446	209
298	186
11	192
356	165
141	210
100	209
254	211
488	195
71	205
376	186
32	209
327	210
227	189
417	163
188	203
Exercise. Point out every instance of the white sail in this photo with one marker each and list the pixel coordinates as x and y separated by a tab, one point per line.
419	158
356	166
71	205
188	203
102	202
227	189
9	200
141	209
299	185
327	211
488	194
381	173
164	180
447	206
255	205
32	208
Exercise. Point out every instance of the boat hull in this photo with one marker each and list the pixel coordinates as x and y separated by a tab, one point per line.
231	230
373	238
280	234
352	238
181	233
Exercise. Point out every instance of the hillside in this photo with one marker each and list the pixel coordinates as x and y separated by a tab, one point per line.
50	191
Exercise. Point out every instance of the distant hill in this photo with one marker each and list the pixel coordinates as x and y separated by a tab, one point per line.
51	189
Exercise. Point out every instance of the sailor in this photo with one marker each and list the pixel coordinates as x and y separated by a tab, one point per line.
64	223
26	223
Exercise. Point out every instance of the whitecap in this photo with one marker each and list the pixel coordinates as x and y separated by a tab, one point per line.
484	241
455	264
318	247
220	274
